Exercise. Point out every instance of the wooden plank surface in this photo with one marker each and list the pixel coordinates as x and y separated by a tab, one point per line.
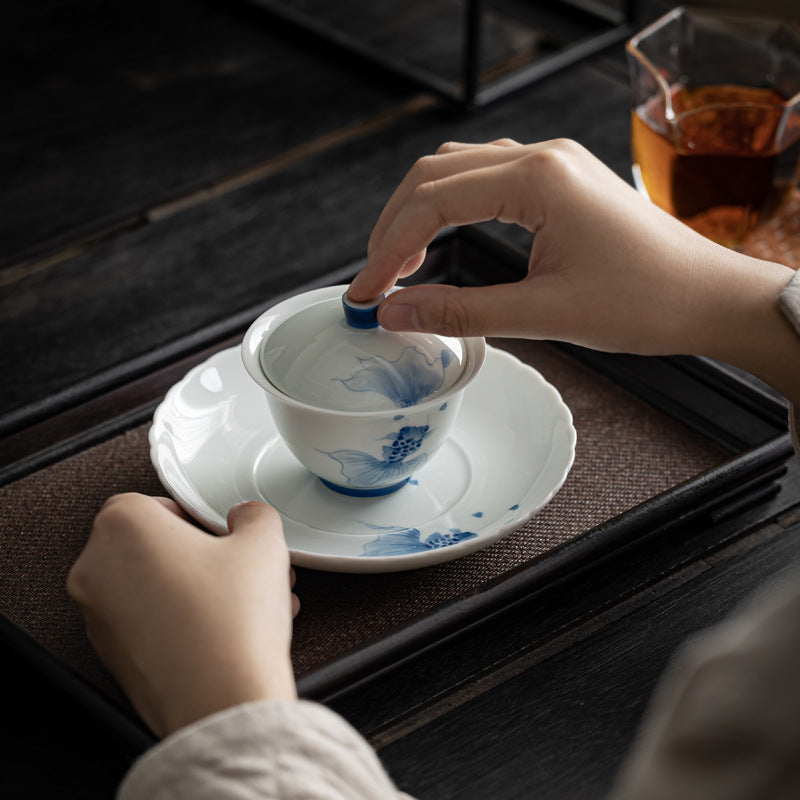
110	110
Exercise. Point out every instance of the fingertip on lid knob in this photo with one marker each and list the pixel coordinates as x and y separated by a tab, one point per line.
361	314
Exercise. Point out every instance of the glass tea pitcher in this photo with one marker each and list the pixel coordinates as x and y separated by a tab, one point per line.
715	125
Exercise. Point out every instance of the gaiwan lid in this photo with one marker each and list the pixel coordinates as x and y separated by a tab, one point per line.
333	354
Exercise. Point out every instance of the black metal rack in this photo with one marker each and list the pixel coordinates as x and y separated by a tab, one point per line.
608	26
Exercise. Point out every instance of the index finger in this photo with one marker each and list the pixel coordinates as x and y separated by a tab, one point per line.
450	159
503	191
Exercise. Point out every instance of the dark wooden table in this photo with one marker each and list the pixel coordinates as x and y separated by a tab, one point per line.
168	169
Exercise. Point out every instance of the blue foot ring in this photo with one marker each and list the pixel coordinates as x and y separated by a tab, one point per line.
365	492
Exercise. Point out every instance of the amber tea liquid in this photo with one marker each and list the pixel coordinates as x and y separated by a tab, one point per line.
724	163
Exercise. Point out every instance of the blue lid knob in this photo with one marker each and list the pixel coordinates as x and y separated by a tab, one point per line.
361	315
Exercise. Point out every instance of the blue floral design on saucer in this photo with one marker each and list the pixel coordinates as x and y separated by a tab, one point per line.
398	541
362	469
407	380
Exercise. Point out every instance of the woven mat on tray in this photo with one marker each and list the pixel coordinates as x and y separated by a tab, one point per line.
627	452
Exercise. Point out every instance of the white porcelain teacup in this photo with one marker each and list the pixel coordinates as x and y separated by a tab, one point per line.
361	407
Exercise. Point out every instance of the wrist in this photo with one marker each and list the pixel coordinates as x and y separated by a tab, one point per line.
216	691
747	328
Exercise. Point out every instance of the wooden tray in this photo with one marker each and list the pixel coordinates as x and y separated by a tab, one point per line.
710	442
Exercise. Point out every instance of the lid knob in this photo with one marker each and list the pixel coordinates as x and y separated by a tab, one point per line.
361	315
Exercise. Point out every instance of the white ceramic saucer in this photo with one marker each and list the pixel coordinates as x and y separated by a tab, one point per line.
213	444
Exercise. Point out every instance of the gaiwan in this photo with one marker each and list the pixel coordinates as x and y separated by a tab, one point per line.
363	408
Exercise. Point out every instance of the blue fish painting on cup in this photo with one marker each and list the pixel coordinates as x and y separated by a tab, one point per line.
397	461
410	379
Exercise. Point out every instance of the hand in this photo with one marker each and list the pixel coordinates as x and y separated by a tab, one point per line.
608	269
189	623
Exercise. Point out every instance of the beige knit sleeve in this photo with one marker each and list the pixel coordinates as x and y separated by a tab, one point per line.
280	751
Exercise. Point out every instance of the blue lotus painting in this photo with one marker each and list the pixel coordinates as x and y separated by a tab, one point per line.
398	462
407	380
398	541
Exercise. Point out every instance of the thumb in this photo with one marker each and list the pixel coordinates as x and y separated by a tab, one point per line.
503	310
253	518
